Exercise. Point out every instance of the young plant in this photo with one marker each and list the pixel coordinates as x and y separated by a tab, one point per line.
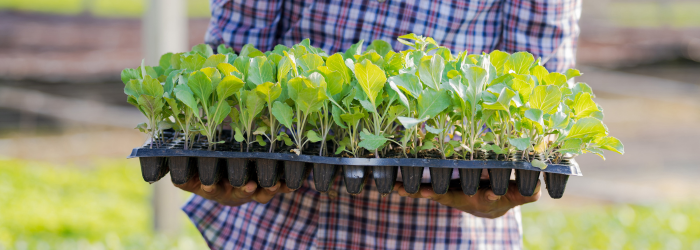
146	93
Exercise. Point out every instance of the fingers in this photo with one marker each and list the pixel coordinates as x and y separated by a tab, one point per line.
516	198
266	194
245	192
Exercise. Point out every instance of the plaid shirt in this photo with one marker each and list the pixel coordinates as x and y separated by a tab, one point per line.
307	219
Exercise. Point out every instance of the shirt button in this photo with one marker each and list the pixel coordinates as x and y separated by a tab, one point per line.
381	1
332	194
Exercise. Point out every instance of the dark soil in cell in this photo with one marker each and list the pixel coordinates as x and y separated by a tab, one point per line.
526	181
440	178
355	177
384	178
153	168
324	174
182	168
469	180
499	178
556	183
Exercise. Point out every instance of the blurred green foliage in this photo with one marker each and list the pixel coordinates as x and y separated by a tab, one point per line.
101	8
103	206
106	205
658	226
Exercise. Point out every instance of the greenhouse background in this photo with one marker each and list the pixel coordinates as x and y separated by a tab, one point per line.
65	129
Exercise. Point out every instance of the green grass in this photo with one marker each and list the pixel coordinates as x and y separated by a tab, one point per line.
66	207
659	226
106	205
101	8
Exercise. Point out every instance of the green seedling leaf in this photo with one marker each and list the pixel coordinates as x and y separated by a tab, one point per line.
489	137
545	98
572	146
313	136
409	122
408	83
260	70
519	62
143	127
254	105
130	74
152	87
556	79
540	73
371	79
535	115
430	71
431	103
283	113
215	60
260	140
380	46
336	63
539	164
587	127
503	101
219	113
371	141
610	143
260	130
203	49
310	62
352	119
520	143
581	88
584	106
433	130
229	86
200	85
498	59
269	91
238	135
193	62
571	73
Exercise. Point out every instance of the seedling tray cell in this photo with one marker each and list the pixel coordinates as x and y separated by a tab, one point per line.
469	180
411	178
182	168
384	178
271	167
295	172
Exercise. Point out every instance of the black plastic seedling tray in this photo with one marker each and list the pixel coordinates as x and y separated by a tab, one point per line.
269	168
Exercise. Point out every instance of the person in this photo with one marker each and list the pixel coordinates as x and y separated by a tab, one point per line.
279	218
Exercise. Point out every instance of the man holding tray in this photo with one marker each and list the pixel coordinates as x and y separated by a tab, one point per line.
279	218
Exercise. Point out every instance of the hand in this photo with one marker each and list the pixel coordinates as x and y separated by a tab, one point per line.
484	203
225	194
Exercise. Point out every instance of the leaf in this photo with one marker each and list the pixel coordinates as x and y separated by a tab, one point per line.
433	130
336	63
582	88
545	98
283	113
498	59
503	101
310	100
409	122
226	69
430	71
556	79
431	103
571	73
143	127
260	70
584	106
476	78
185	95
380	46
611	143
408	83
587	127
371	141
238	136
260	140
520	143
539	164
572	146
354	49
313	136
523	88
254	104
214	61
519	63
269	92
352	119
130	74
229	86
310	62
250	51
152	87
200	85
219	113
371	79
540	73
203	49
260	130
535	115
193	62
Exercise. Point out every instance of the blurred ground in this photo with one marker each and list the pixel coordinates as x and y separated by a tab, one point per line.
640	57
